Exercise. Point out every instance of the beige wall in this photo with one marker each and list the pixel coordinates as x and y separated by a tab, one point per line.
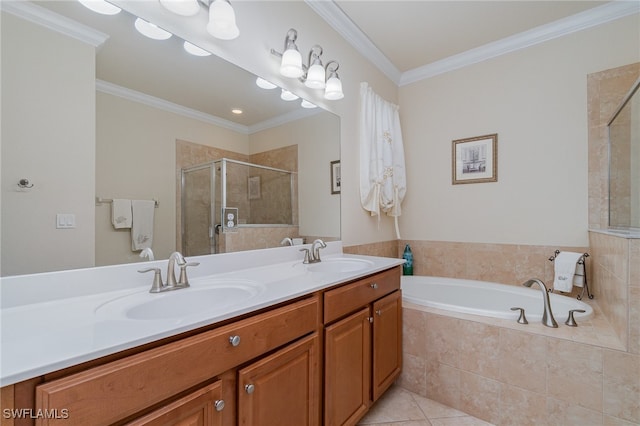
48	137
535	99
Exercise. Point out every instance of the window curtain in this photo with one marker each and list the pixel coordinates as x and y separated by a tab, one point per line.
383	182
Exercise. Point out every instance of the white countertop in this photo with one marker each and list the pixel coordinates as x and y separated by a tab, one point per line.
57	320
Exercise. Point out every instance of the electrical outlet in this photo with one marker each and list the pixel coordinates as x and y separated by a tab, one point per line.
229	219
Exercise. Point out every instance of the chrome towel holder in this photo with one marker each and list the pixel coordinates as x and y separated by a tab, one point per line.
581	261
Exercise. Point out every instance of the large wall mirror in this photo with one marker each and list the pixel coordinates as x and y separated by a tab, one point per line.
624	163
86	125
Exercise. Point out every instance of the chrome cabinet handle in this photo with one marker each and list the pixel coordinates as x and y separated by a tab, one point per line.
234	340
219	405
374	285
249	388
379	312
370	319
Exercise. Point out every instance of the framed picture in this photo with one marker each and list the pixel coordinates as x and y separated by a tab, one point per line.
254	188
475	160
335	177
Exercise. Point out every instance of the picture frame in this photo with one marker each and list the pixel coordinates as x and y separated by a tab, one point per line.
335	177
475	160
253	189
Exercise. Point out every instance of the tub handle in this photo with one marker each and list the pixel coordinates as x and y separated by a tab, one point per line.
571	322
521	319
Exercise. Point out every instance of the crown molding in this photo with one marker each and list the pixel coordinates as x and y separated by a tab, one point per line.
590	18
284	119
44	17
152	101
340	22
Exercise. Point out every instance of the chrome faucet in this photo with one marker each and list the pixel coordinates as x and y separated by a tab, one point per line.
183	282
313	255
547	315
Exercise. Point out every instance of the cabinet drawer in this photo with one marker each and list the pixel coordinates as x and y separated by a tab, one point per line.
110	392
346	299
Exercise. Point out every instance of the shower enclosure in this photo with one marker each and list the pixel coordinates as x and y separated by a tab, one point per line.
265	199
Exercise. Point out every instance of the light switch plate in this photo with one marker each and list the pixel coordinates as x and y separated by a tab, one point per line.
65	221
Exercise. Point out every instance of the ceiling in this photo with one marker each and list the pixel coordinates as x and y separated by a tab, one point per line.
406	40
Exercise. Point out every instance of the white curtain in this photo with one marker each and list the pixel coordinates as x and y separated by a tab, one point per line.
383	181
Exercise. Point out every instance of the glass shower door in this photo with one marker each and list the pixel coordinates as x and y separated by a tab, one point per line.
198	191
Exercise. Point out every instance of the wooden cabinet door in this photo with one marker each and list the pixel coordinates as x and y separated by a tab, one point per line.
347	369
387	342
282	389
200	408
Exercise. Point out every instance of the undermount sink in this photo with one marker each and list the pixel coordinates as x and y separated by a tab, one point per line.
203	296
340	265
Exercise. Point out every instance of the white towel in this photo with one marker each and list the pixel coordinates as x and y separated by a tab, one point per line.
121	213
565	265
578	278
142	224
298	241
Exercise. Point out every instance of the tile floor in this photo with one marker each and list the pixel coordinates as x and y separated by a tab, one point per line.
399	407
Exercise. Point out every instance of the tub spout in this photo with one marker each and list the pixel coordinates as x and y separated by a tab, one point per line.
547	315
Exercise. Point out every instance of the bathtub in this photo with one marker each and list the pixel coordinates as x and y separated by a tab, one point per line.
487	299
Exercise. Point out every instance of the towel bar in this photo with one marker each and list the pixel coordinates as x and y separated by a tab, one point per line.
581	261
100	200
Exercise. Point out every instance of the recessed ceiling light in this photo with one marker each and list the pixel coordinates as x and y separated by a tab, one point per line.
264	84
236	111
306	104
195	50
101	6
151	30
287	96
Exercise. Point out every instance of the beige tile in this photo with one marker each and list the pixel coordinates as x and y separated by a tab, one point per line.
622	385
413	375
521	407
574	373
459	421
414	332
442	339
435	410
614	421
443	383
478	349
562	413
522	358
396	405
634	320
479	396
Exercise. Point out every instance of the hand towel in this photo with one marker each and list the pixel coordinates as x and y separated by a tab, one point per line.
121	213
298	241
578	278
142	224
565	265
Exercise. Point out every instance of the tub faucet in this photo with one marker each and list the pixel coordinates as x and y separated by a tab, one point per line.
547	315
286	242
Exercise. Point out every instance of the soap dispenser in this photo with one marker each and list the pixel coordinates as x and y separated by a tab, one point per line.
407	267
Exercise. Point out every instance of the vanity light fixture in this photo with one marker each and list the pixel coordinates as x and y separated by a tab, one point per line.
306	104
313	74
151	30
222	18
101	6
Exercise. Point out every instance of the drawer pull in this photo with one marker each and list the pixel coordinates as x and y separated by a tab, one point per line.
374	285
379	312
249	389
219	405
234	340
370	319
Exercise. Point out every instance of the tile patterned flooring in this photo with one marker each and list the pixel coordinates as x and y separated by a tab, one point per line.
399	407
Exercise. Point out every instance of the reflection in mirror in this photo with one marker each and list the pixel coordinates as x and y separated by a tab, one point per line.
121	119
624	163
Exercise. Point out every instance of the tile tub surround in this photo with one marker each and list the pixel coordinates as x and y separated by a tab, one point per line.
505	375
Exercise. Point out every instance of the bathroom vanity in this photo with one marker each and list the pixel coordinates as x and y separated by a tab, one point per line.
318	344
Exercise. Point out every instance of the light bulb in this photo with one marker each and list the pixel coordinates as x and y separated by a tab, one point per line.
222	21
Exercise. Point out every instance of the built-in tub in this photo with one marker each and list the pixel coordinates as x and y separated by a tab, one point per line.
487	298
